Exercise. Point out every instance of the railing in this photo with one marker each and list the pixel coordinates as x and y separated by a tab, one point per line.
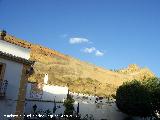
3	87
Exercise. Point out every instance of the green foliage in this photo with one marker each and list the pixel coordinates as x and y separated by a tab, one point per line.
139	98
153	86
68	103
132	98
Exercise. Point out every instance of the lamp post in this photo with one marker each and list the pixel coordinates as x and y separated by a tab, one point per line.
55	107
78	109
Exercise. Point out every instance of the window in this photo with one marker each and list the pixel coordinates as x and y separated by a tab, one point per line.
2	70
3	83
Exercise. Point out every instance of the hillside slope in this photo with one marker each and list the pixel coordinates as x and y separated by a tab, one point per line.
79	76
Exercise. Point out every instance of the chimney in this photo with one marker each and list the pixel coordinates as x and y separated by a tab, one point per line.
46	79
3	34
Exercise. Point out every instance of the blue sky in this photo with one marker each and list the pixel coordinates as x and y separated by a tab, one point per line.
108	33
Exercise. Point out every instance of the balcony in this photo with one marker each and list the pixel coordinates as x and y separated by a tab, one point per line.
3	87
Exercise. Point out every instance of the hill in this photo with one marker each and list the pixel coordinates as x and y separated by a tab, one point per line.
80	76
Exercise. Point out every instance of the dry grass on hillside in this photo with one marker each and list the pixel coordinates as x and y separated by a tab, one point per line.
80	76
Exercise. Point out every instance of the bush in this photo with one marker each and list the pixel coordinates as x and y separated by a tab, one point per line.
139	98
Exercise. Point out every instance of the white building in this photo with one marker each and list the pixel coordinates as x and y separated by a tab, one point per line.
45	96
14	71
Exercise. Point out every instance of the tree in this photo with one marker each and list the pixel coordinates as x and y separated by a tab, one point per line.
139	98
153	86
68	103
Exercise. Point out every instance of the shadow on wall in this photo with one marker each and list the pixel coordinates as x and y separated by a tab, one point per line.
43	105
45	98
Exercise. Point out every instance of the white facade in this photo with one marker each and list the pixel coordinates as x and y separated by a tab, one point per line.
102	109
14	50
50	93
45	100
12	74
96	107
43	106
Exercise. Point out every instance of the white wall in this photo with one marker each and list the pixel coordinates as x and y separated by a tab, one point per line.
46	101
49	93
103	109
42	106
12	74
14	49
107	111
54	92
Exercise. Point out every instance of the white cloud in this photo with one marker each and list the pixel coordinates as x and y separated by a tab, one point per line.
93	50
77	40
99	53
89	50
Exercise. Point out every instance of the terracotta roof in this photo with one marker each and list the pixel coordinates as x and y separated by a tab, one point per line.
15	58
16	41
